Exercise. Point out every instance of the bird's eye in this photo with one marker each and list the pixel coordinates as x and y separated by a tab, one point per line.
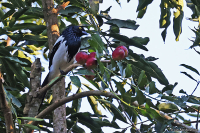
80	28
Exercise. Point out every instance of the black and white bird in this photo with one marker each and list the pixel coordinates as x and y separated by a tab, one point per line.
64	51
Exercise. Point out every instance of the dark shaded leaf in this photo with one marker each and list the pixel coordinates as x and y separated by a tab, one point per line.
143	3
190	68
140	97
16	16
9	13
189	76
70	9
167	107
17	69
8	5
76	104
128	41
177	26
83	71
94	6
128	71
118	114
76	81
130	24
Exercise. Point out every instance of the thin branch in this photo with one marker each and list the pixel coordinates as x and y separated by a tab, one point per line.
54	81
62	101
197	118
175	122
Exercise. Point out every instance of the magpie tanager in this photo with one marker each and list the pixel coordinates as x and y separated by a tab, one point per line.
64	51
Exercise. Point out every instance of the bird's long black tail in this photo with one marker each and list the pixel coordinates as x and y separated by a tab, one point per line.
45	82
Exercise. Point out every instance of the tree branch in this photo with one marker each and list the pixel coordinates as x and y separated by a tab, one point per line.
60	102
6	110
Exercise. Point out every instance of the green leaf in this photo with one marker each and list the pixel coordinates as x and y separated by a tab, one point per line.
13	59
31	126
30	118
94	104
87	120
13	99
17	69
76	81
190	68
83	71
188	75
70	9
143	3
16	16
152	88
9	13
142	80
177	26
100	44
129	24
168	107
128	71
164	18
76	104
117	113
149	67
142	12
94	6
128	41
140	40
169	88
8	5
140	97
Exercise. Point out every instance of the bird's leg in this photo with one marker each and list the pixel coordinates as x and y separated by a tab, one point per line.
62	72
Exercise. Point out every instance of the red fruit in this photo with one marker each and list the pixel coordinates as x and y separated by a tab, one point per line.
118	54
125	50
91	63
93	54
90	77
81	57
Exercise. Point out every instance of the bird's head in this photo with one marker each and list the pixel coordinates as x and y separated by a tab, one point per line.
77	30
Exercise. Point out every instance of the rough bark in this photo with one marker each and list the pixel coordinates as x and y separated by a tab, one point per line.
32	100
50	17
6	109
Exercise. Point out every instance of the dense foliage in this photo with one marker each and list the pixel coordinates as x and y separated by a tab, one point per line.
23	23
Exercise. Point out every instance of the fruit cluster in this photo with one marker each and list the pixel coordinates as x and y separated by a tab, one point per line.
90	60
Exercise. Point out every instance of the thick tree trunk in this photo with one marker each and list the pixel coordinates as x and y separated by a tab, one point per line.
50	17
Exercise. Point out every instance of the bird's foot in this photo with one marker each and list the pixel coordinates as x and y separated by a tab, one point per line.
62	72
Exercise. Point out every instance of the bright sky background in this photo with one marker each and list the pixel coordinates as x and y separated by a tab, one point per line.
171	53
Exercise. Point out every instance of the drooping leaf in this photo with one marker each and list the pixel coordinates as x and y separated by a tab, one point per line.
178	17
188	75
70	9
94	104
128	41
190	68
130	24
16	16
17	69
76	104
168	107
76	81
140	97
149	67
164	18
142	80
117	113
94	6
143	3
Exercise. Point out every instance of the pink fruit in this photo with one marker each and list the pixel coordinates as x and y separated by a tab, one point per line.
118	54
91	63
125	50
81	57
93	54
